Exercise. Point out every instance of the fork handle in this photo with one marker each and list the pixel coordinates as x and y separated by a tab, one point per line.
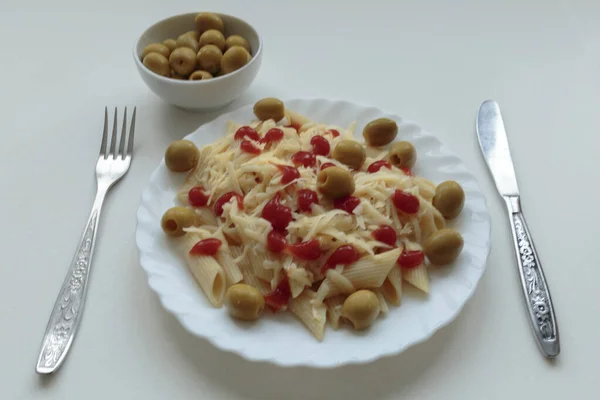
68	309
535	288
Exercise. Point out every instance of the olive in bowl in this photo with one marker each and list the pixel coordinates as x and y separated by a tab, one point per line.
206	93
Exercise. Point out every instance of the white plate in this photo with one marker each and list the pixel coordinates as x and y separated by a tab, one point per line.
281	339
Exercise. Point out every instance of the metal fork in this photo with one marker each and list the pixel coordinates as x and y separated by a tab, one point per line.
68	309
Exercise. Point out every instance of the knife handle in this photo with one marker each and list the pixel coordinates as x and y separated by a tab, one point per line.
535	288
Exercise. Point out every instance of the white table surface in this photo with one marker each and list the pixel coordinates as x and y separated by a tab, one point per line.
432	61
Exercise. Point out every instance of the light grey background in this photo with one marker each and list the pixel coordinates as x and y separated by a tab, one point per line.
431	61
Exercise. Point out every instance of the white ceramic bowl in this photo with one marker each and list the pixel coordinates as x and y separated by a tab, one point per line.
281	339
199	95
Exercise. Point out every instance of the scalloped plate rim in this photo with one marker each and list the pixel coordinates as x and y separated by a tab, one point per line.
183	317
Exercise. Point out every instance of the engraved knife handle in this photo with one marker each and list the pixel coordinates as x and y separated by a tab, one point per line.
535	288
68	309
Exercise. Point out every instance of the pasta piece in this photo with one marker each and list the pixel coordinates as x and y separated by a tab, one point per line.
417	277
299	278
206	216
426	188
206	270
312	314
249	278
231	269
341	282
334	310
383	307
295	118
392	287
427	224
368	272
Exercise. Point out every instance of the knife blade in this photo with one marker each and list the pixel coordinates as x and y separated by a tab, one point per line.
496	152
494	146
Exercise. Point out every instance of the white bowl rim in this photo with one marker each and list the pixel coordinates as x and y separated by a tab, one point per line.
197	82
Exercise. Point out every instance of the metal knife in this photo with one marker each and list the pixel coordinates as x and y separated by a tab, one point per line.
494	146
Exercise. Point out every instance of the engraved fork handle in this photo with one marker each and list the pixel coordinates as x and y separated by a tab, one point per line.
68	309
535	289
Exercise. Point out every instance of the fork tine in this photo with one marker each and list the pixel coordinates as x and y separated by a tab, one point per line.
113	140
104	134
131	132
123	135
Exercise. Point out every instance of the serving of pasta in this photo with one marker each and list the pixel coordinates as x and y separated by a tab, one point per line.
288	214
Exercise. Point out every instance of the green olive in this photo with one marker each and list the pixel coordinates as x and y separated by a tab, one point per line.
171	44
175	219
175	75
188	41
269	108
181	156
157	63
212	36
209	58
380	132
351	153
444	246
236	40
244	302
183	61
361	308
449	199
234	58
192	34
205	21
335	183
403	155
200	75
156	48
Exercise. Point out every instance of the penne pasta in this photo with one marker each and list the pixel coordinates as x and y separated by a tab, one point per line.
334	310
368	272
206	270
383	307
312	314
233	274
392	287
248	277
417	277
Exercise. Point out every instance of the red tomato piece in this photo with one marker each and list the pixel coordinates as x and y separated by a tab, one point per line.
279	297
304	158
248	147
197	197
377	165
288	173
320	146
306	198
343	255
276	241
277	214
206	247
348	203
405	202
411	258
385	234
327	165
307	251
246	132
224	199
334	132
272	135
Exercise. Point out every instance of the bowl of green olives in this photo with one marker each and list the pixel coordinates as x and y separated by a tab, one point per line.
199	61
